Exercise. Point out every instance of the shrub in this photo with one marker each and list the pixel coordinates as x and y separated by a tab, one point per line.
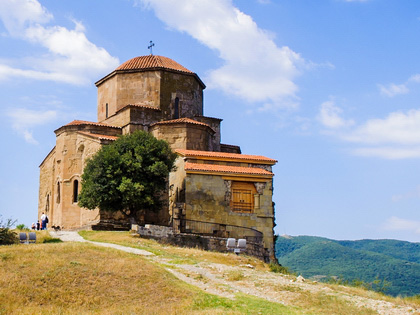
22	227
277	268
7	236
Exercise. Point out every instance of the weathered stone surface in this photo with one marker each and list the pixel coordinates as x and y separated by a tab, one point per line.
203	242
155	231
59	173
207	198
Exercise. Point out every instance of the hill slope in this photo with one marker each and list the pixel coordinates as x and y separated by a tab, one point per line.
71	277
388	265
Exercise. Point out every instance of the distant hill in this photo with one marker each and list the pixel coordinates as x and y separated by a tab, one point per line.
389	265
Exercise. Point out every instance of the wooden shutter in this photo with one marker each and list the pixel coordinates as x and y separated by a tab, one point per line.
242	197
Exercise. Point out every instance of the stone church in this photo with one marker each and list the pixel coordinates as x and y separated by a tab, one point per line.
215	189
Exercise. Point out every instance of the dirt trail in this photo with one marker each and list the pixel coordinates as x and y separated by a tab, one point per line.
73	236
226	280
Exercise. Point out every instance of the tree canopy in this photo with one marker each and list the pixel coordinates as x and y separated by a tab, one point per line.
127	175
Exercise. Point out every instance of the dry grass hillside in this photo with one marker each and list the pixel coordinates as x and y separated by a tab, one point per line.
83	278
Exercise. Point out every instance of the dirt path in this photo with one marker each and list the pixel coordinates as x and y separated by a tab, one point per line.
73	236
226	281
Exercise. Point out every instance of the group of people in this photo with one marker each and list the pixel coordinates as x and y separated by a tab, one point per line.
42	225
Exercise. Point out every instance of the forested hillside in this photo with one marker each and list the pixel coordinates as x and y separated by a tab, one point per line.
386	265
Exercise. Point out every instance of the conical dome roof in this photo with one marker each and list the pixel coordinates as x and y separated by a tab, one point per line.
152	62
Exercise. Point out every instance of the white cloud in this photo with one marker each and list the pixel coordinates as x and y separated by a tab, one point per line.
254	69
414	78
23	120
395	137
398	224
20	14
398	128
393	89
329	116
415	193
71	57
7	72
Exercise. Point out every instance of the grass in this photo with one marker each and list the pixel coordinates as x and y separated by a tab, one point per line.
243	304
234	275
64	278
80	278
174	254
42	236
322	303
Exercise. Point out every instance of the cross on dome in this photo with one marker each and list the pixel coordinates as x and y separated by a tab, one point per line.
150	47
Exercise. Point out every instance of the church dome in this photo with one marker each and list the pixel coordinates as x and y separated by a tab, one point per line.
152	62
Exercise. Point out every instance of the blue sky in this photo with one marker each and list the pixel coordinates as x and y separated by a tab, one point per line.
329	88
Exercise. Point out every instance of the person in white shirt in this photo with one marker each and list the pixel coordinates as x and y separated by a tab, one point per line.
44	221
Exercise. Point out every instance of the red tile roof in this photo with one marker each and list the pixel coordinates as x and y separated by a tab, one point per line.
226	156
100	137
180	121
84	122
152	62
226	169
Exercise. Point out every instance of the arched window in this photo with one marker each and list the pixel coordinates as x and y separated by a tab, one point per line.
58	192
75	190
47	204
176	108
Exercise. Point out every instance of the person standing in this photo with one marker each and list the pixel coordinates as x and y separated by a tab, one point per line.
43	221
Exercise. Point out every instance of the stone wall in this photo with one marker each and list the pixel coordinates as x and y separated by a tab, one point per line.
166	235
132	118
107	94
157	89
187	89
214	123
46	186
128	88
207	198
89	128
64	167
229	148
184	135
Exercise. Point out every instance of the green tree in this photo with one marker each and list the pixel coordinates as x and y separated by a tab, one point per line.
128	175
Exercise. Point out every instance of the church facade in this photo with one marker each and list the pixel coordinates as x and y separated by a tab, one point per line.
215	189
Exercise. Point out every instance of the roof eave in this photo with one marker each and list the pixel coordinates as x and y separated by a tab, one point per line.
48	155
115	72
231	174
226	158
